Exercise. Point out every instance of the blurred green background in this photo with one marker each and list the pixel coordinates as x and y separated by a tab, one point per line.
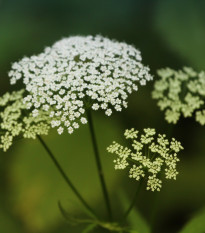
168	33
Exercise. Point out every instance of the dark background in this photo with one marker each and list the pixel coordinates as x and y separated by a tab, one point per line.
169	33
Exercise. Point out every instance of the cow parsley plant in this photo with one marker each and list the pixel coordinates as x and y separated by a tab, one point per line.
151	154
77	73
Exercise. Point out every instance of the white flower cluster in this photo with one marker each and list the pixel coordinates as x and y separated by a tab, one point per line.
150	157
181	93
15	122
77	73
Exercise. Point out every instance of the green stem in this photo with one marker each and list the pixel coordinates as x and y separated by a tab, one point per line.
133	201
99	165
153	210
65	177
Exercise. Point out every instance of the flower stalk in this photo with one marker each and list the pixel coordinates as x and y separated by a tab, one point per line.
132	204
99	165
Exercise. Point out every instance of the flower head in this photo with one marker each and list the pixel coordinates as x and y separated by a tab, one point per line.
80	72
151	155
181	93
16	122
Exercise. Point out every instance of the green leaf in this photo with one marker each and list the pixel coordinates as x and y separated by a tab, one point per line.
89	228
196	224
136	220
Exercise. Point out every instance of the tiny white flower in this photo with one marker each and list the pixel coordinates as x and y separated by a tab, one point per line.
35	113
95	106
83	120
108	112
67	123
70	130
75	125
60	130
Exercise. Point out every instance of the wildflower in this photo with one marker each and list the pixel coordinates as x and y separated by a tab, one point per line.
181	93
14	120
151	155
79	72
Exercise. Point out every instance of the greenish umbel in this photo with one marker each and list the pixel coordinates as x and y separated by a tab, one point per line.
15	122
181	93
151	155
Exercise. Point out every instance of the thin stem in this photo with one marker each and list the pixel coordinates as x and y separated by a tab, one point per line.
99	165
153	210
65	177
133	201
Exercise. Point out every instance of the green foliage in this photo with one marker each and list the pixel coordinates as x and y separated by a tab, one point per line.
196	224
